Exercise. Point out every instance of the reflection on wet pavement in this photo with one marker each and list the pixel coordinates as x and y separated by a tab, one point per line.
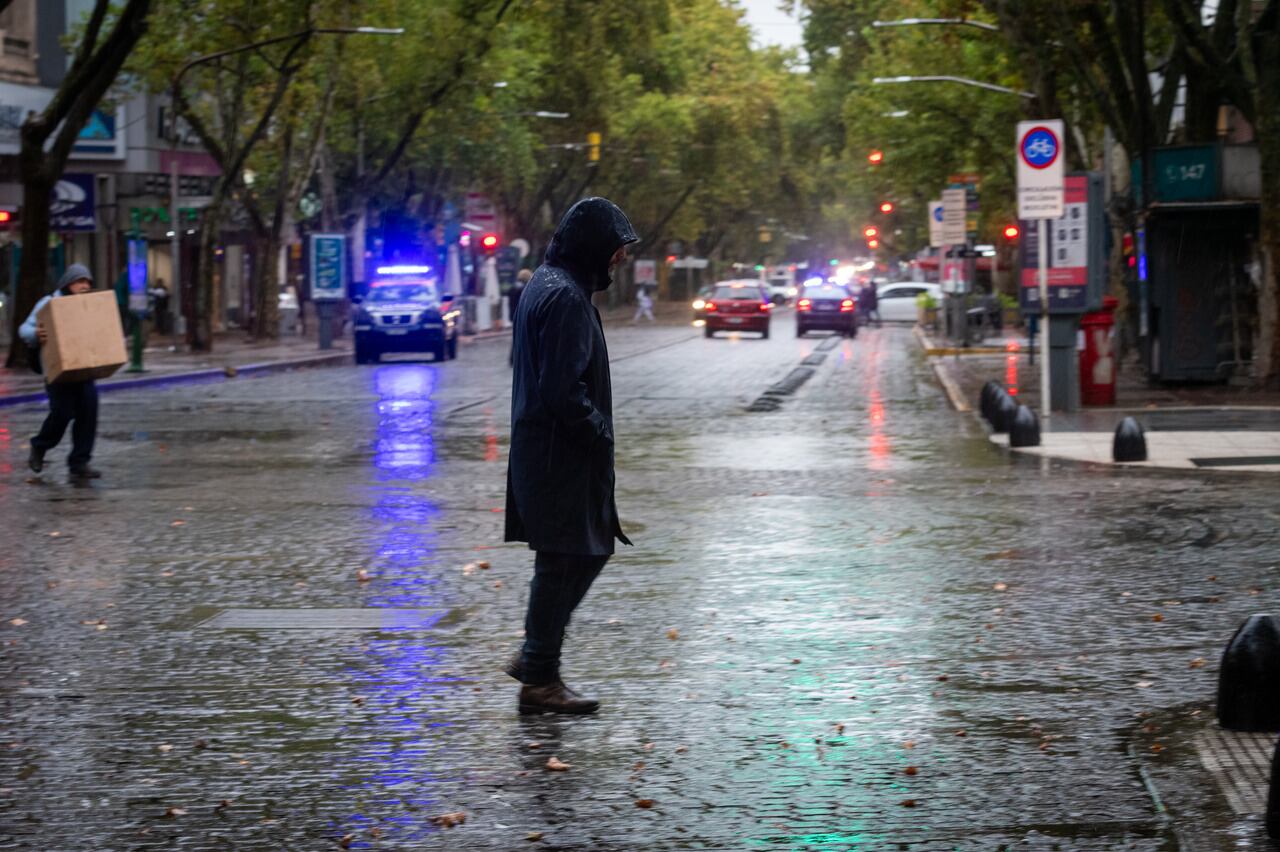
833	609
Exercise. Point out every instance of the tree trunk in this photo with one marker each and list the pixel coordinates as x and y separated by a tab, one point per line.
266	288
1267	60
33	270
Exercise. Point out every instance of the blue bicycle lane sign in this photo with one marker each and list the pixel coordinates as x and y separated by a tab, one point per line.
1039	147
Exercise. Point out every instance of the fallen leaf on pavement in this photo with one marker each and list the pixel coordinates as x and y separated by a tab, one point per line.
681	749
673	633
175	812
483	565
909	744
1142	684
1197	663
345	842
1001	587
223	805
533	745
469	569
448	820
178	524
911	770
362	576
497	584
1157	748
644	803
908	803
962	733
1157	617
533	836
556	765
164	748
17	622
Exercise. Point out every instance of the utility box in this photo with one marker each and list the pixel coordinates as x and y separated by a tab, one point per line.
86	340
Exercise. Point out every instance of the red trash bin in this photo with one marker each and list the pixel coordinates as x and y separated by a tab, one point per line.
1098	357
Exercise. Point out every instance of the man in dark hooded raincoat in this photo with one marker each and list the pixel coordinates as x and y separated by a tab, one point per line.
560	474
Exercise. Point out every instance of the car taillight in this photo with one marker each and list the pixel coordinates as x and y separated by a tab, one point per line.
803	305
711	306
846	305
764	306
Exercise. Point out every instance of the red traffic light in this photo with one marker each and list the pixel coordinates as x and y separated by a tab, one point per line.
870	231
1011	232
489	242
875	157
886	206
5	217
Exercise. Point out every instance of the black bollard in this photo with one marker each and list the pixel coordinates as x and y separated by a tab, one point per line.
1004	412
1130	444
989	392
1025	431
1249	679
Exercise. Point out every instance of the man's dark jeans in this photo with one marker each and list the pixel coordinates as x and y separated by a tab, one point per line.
68	402
560	581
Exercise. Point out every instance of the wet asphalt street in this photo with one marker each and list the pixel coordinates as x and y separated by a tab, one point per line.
848	622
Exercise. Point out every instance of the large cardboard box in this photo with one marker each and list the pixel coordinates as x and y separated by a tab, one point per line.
85	341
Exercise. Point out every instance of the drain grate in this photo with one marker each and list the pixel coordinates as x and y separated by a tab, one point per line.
1241	764
1235	461
364	618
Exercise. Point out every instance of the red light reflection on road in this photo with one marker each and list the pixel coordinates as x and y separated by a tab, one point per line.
1011	373
490	437
878	443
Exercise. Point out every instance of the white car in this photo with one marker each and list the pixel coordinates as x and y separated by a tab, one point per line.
896	301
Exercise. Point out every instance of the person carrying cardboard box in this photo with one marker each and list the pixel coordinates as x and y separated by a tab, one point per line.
70	402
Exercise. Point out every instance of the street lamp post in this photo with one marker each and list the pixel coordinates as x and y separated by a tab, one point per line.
947	78
915	22
175	235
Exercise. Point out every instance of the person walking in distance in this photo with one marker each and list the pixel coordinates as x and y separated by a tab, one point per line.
560	481
869	303
513	302
644	304
70	403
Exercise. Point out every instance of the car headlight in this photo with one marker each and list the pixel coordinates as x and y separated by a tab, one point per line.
699	304
792	291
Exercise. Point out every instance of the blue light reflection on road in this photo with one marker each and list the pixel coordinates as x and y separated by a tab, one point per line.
400	683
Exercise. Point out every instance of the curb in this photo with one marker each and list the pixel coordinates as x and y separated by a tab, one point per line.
203	375
949	385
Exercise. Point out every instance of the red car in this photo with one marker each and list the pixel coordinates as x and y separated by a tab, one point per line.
738	306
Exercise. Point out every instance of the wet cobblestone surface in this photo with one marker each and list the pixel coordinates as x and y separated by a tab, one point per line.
849	622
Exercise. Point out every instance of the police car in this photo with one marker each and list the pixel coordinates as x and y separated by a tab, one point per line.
404	311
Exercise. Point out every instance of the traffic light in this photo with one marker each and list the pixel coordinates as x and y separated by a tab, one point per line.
870	231
886	206
835	261
875	158
1126	246
593	147
489	242
1012	232
873	243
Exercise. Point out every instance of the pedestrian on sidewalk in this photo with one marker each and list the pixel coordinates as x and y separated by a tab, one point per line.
513	301
644	304
560	484
869	303
70	403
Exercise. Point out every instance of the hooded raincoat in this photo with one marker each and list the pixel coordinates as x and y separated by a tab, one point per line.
560	482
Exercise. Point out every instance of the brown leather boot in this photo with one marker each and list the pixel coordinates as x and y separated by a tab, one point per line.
554	697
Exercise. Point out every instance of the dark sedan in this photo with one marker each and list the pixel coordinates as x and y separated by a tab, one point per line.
826	307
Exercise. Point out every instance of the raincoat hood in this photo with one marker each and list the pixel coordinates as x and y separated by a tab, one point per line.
74	272
586	239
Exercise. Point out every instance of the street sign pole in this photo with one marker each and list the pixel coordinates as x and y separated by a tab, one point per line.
1042	251
1038	152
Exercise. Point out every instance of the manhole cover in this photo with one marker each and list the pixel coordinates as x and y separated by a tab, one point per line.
323	619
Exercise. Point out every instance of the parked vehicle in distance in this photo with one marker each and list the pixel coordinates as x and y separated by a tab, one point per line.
781	283
826	306
699	304
404	311
741	305
898	299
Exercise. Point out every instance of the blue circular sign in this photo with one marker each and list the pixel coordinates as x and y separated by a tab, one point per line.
937	213
1039	148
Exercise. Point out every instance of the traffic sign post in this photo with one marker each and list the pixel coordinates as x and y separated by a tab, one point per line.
1040	196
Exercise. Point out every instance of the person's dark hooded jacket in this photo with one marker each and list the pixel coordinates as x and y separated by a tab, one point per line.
560	483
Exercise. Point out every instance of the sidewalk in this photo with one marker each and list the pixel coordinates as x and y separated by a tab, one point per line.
232	355
1189	426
